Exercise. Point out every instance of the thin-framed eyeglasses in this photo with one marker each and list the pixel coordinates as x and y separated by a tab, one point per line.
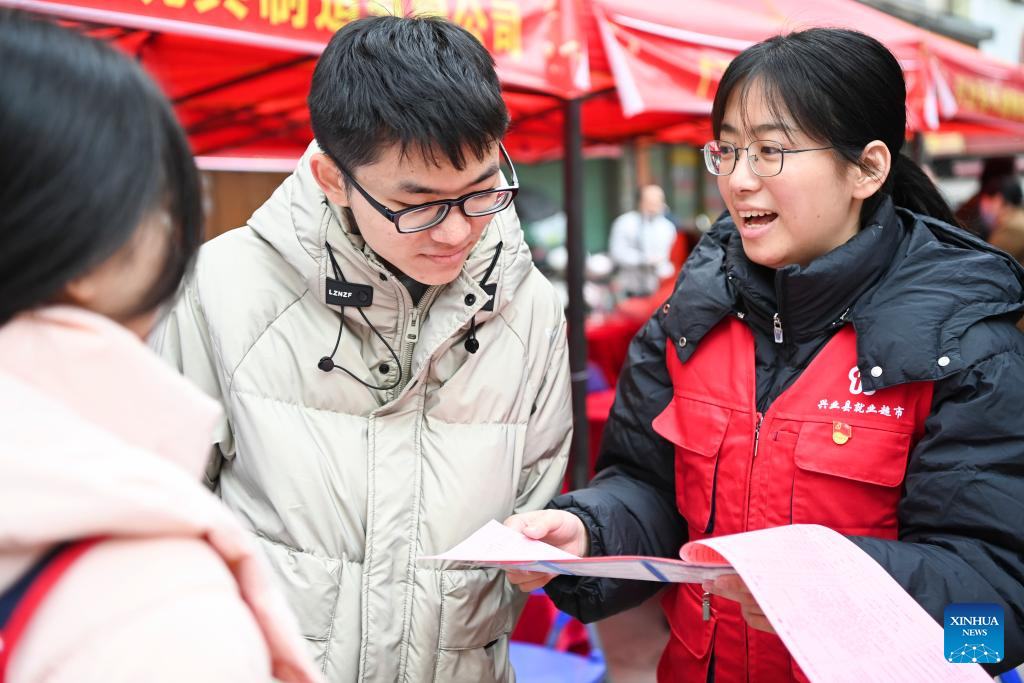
764	157
425	216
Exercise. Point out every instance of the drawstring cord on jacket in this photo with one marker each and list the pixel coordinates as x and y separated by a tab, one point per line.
327	362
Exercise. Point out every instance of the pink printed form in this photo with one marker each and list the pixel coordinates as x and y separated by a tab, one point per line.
843	618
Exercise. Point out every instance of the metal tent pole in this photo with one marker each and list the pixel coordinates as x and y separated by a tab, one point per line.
579	455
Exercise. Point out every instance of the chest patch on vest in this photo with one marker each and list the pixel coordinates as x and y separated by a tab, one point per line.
847	395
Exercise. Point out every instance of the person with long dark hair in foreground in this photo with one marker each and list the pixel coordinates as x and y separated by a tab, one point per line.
116	564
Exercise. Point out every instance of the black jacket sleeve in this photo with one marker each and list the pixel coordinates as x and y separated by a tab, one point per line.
629	507
962	514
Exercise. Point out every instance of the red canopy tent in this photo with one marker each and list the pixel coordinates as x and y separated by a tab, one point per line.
669	59
238	71
575	72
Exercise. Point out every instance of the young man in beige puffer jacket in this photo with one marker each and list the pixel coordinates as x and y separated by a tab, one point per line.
359	438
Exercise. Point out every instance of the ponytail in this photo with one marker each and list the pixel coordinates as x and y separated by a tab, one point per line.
911	189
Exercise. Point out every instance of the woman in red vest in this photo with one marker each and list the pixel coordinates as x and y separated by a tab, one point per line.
836	352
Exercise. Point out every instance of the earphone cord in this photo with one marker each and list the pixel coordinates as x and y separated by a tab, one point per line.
471	343
341	326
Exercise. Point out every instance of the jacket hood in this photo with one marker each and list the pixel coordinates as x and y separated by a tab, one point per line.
939	281
942	282
100	438
298	221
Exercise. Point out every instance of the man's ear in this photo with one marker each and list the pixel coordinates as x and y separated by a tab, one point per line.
329	178
877	163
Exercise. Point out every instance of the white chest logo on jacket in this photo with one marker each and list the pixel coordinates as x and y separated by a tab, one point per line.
855	386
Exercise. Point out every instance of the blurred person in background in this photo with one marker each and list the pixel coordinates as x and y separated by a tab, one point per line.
969	214
1000	207
641	242
116	564
836	352
393	367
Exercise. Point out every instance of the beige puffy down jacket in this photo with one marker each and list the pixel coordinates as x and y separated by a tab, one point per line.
348	487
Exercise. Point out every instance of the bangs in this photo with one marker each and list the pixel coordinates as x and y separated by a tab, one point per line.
772	100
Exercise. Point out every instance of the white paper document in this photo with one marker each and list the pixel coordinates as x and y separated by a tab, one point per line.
496	545
842	617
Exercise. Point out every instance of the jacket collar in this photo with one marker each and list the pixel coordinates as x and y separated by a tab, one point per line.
894	276
796	293
103	373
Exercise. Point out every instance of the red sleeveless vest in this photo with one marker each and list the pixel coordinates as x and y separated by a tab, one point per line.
825	452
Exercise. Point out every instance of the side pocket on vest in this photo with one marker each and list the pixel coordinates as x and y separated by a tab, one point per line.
854	486
697	430
691	640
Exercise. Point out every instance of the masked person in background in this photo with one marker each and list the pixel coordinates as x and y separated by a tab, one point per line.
392	366
1001	206
836	352
116	564
969	213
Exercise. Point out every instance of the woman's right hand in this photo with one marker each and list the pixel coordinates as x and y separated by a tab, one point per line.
559	528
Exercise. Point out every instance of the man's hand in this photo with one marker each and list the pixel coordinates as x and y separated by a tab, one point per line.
732	587
559	528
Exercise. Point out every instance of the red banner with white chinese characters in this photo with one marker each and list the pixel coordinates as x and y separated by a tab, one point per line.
669	57
537	44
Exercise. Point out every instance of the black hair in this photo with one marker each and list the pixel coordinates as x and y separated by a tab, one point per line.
91	150
842	88
1007	187
423	83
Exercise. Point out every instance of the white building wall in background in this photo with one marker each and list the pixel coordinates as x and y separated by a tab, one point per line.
1006	19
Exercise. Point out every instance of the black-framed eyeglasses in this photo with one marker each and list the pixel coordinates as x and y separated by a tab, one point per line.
764	157
425	216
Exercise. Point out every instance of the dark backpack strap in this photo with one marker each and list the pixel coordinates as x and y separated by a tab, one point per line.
19	602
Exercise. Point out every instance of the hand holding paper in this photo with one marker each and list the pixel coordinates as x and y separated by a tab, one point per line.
733	587
829	602
495	545
559	528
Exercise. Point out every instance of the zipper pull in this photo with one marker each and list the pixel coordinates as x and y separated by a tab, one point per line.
777	328
757	432
706	606
412	331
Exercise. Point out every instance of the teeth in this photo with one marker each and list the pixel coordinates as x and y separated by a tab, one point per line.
755	214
